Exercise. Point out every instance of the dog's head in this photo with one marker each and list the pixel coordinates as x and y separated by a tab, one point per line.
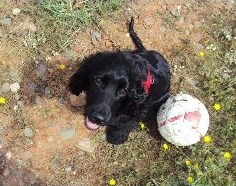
111	81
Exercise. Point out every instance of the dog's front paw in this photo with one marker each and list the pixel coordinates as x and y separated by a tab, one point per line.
116	137
141	115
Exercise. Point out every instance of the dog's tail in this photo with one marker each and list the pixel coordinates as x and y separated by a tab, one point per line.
134	37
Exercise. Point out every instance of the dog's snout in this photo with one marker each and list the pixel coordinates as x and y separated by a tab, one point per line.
99	114
98	119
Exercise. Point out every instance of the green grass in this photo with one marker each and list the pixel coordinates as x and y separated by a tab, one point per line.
60	20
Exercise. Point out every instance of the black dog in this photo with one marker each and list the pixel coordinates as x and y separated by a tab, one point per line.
122	88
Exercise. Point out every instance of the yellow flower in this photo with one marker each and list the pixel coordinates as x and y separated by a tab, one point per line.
227	156
62	66
2	101
187	162
196	165
201	54
207	139
217	106
142	125
165	146
190	179
112	182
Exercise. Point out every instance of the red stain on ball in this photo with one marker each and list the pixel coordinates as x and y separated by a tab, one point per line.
193	117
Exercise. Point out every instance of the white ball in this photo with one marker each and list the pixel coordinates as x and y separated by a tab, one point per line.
183	120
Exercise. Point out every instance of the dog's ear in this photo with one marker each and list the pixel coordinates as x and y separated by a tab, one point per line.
79	81
138	74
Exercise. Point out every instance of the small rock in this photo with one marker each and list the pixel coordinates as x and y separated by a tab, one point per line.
50	139
19	162
187	32
68	133
6	172
71	54
96	37
15	107
197	24
27	155
32	87
20	104
8	155
41	70
17	96
47	91
28	25
28	132
176	11
52	125
149	21
6	21
6	87
85	144
15	11
38	100
15	87
14	74
68	169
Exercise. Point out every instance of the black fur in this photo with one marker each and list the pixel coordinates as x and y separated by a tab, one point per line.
116	97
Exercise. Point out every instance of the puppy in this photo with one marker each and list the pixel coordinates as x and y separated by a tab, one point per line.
123	88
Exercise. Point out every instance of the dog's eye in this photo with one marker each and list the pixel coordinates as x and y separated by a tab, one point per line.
122	92
98	80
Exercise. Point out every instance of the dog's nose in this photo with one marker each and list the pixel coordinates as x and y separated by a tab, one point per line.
98	118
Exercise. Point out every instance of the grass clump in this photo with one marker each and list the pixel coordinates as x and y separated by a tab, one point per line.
60	20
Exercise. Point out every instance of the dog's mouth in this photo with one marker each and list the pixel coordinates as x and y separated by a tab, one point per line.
90	125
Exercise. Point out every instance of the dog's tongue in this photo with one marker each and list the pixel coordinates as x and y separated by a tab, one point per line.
90	125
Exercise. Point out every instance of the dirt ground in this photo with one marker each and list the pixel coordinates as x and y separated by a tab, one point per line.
42	136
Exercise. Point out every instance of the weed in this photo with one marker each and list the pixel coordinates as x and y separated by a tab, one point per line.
61	20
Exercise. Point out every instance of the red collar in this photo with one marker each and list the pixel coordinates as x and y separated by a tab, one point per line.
147	83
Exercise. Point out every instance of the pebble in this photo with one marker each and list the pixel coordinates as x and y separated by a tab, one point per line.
15	87
15	11
68	169
47	91
6	21
14	74
6	172
15	107
27	155
6	87
8	155
68	133
52	125
41	70
17	96
71	54
96	37
19	162
20	104
149	21
50	139
32	87
38	100
85	144
28	132
176	11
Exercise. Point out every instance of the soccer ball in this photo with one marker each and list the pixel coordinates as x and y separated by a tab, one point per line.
183	120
